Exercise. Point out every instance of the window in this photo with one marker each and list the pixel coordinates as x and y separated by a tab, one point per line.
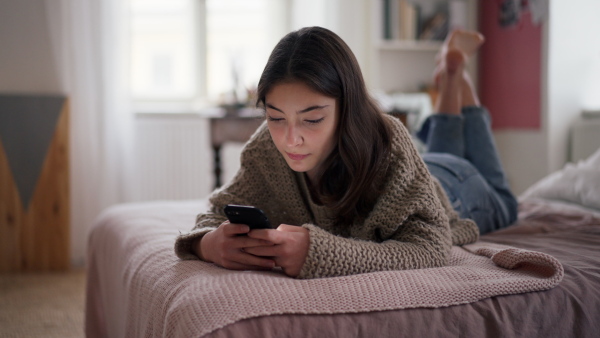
187	53
163	50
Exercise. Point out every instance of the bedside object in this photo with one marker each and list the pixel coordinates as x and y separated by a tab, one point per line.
585	137
231	128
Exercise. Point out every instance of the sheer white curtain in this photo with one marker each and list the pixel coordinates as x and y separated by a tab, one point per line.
90	45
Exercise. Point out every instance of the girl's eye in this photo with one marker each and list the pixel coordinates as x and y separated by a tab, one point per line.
273	119
315	121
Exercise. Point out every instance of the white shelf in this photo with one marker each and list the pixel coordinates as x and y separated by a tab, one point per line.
407	65
409	45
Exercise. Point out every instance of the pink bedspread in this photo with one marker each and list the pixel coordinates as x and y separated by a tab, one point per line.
137	286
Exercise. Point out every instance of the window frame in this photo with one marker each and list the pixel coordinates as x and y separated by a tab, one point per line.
199	102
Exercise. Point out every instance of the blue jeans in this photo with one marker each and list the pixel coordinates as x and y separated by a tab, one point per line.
462	155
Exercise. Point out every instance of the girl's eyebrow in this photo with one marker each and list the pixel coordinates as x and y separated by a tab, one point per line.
273	107
315	107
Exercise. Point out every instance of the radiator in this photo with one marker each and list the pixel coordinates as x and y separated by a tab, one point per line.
585	138
173	157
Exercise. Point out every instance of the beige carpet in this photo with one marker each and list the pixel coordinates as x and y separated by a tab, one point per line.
42	304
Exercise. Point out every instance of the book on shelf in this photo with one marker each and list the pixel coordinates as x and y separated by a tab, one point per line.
388	19
451	14
435	28
406	20
400	20
408	14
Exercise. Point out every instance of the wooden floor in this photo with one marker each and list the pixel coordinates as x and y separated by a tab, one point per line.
42	304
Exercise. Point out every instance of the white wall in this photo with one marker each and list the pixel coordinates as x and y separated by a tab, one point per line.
523	155
350	19
570	45
573	46
26	57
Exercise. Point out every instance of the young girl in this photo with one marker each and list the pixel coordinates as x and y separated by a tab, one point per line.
342	181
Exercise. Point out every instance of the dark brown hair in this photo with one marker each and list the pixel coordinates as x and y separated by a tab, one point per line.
352	177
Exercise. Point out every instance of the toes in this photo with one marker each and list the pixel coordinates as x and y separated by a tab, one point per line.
467	42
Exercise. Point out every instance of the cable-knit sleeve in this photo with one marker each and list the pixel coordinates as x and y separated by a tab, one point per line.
407	229
246	188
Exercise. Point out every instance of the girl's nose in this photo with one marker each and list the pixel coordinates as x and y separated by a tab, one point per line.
293	136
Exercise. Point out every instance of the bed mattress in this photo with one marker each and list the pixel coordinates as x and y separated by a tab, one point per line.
546	282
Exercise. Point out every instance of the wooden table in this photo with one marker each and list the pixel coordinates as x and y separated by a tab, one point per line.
231	128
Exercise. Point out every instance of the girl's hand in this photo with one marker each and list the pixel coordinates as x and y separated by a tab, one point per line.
225	247
289	249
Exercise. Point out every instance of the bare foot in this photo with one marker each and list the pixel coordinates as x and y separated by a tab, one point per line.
467	42
449	81
452	81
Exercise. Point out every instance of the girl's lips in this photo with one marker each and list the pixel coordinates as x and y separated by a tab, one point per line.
296	157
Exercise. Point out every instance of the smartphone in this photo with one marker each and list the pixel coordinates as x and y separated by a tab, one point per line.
244	214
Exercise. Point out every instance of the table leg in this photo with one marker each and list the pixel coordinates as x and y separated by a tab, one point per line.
217	165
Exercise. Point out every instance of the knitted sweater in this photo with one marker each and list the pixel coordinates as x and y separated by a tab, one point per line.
411	226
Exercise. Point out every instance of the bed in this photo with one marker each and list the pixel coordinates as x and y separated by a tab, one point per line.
537	278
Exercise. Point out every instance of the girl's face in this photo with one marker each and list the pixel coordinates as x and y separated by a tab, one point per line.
302	124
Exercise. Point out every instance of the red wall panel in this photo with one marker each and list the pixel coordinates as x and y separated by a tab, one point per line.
510	69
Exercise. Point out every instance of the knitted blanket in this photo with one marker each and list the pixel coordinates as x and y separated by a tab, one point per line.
160	295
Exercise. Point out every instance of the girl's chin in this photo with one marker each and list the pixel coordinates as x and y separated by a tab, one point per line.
298	167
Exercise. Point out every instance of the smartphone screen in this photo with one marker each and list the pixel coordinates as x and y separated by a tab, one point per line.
249	215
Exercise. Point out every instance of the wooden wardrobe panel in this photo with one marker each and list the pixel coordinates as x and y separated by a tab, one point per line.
38	235
46	236
11	217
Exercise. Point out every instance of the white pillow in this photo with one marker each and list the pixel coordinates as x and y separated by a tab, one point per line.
576	183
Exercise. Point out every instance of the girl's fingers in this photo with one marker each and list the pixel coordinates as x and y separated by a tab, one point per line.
243	241
276	236
250	261
290	228
232	229
253	242
240	266
265	251
226	244
269	235
286	247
